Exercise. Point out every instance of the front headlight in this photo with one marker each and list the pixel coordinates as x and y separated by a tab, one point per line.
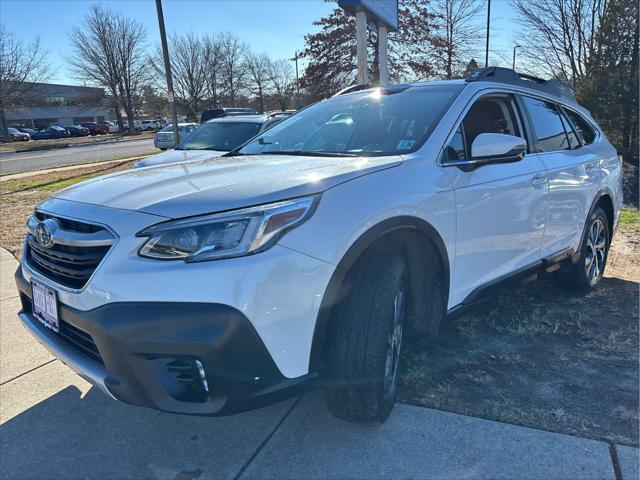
225	235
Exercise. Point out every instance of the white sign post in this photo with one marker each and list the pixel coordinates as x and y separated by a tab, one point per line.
384	14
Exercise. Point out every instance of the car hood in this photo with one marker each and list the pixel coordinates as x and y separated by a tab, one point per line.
207	186
175	156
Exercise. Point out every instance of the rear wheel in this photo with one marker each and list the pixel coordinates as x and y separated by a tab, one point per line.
586	273
365	346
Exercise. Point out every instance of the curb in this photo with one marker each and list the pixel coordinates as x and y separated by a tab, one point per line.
16	176
39	148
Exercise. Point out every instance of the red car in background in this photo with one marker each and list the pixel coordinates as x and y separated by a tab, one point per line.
17	136
95	128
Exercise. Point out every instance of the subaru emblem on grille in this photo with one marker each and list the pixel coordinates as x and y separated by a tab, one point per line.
44	232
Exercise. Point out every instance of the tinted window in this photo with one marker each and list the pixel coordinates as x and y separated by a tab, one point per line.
374	122
583	128
549	131
571	135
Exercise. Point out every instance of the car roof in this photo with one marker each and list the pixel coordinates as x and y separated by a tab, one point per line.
495	77
239	119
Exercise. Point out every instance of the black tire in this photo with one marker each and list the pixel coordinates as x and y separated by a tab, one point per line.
362	385
585	274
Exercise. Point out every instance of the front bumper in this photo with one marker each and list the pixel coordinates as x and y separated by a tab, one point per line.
138	342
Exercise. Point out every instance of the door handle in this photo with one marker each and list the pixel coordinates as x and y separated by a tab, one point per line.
539	179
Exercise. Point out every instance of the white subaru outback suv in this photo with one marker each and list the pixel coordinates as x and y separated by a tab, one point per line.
306	255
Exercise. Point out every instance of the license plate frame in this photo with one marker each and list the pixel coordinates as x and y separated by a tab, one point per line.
44	302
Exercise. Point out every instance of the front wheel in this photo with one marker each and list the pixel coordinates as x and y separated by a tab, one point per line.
365	345
587	272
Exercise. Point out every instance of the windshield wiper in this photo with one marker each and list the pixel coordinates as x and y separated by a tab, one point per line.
308	153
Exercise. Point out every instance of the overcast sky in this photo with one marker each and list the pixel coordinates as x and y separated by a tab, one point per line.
276	27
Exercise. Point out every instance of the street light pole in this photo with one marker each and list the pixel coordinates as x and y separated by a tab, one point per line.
486	55
513	66
167	69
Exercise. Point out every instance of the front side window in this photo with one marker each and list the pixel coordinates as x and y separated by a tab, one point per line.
583	128
547	125
221	136
381	121
489	114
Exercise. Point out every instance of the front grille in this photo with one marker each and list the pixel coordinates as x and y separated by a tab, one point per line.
73	336
67	265
80	340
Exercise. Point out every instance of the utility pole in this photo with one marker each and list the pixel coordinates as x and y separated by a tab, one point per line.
295	59
513	66
486	55
167	69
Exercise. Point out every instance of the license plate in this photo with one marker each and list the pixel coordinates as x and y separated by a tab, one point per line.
45	306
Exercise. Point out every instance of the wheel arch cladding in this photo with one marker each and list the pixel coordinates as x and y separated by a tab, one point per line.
421	243
605	201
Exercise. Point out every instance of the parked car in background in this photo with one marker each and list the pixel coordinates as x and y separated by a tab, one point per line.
274	118
112	127
219	112
51	132
210	140
164	138
77	131
96	128
149	125
18	136
30	131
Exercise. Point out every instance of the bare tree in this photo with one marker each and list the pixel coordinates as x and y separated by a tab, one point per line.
457	32
189	66
212	49
258	69
131	64
233	68
22	66
94	54
561	35
281	76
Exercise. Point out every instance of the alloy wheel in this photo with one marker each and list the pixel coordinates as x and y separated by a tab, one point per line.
596	251
394	343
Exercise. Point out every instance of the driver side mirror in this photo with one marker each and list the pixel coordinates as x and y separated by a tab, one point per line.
490	148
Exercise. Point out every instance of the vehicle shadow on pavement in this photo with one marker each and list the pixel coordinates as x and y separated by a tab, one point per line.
91	436
541	357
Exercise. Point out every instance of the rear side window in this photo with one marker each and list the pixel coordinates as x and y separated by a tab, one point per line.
571	134
547	124
583	128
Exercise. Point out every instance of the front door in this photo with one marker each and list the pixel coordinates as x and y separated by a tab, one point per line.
501	209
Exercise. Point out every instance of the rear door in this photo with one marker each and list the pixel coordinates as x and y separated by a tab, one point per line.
573	174
500	208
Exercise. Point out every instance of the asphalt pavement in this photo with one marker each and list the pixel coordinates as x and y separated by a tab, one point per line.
75	155
54	425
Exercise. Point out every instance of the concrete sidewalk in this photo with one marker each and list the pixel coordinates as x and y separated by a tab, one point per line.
54	425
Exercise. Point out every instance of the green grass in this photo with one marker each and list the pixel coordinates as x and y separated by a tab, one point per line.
629	216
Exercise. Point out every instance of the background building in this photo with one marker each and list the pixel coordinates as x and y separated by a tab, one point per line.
65	105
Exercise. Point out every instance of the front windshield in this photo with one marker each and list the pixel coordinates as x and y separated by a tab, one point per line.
382	121
222	136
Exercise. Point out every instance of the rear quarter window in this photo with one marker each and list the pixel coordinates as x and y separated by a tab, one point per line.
583	128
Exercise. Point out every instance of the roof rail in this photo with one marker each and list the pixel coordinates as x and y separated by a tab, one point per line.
511	77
